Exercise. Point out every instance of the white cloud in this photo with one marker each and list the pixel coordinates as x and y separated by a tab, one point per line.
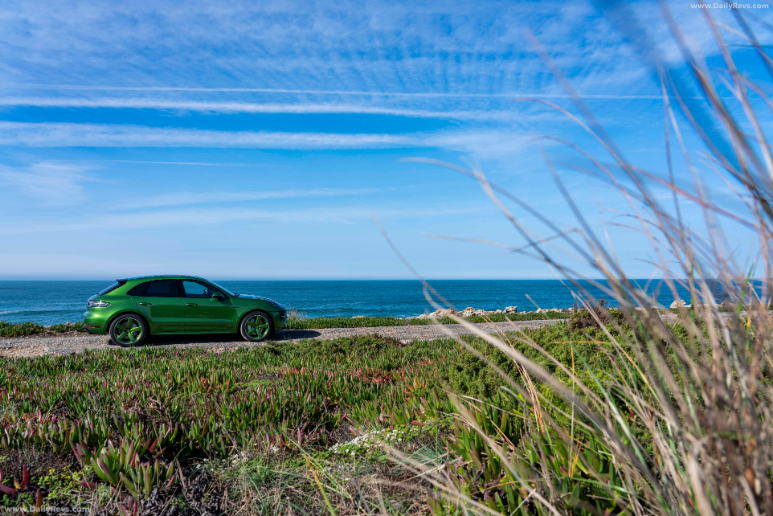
249	107
104	135
219	216
50	183
343	48
236	106
483	142
183	198
191	163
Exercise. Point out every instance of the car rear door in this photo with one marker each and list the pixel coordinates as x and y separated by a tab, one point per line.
162	303
204	313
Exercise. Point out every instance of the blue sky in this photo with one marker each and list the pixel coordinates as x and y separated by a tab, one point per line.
246	140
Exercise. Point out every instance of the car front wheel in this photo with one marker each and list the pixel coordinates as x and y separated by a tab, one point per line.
128	330
256	326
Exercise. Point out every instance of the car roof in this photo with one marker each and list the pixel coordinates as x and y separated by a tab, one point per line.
162	277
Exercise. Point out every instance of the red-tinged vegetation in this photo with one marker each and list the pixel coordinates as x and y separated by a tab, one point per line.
141	420
128	417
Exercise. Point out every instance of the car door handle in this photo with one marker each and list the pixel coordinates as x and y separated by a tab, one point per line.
191	304
144	304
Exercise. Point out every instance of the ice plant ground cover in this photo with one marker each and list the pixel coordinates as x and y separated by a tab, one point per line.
310	426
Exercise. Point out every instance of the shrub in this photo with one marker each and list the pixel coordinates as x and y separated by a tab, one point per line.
680	419
29	328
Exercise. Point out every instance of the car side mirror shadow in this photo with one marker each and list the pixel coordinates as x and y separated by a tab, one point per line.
218	295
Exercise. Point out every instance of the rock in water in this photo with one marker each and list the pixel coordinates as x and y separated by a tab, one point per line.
678	303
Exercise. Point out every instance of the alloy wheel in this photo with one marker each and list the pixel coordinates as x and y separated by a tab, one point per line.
256	327
128	331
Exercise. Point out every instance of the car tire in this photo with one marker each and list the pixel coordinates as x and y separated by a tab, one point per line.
256	326
128	330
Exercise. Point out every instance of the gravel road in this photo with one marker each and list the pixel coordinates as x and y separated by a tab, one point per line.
38	345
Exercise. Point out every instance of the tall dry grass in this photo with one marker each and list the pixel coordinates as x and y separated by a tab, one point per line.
683	423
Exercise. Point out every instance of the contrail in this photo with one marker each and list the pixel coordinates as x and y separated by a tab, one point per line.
250	107
512	94
186	163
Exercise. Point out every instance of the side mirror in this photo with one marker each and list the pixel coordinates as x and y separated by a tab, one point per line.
218	295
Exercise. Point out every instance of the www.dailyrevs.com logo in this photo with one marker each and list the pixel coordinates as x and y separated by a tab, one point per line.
729	6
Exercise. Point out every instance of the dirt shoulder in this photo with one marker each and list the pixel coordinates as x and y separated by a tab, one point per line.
39	345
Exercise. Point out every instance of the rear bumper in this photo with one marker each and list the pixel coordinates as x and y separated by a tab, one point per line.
95	322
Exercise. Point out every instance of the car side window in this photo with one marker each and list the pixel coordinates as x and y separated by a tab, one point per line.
138	290
158	288
111	288
196	289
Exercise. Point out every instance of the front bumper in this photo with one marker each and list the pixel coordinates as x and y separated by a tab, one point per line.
280	320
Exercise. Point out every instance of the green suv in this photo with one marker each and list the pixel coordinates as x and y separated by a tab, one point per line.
132	309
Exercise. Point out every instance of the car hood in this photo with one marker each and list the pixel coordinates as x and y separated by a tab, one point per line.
248	296
260	298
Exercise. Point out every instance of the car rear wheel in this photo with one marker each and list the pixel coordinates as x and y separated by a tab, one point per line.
256	326
128	330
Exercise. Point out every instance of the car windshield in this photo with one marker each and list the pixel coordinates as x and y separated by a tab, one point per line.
223	289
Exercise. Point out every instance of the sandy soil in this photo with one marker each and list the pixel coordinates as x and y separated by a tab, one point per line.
38	345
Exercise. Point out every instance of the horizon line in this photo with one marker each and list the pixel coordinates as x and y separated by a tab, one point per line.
22	278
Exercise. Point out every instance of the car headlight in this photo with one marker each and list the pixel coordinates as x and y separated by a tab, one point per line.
98	304
276	305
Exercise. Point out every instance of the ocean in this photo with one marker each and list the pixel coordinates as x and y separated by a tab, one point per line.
52	302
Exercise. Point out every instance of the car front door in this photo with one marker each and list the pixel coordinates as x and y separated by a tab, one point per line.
162	303
203	311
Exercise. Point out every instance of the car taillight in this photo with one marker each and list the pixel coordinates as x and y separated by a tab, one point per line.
98	304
